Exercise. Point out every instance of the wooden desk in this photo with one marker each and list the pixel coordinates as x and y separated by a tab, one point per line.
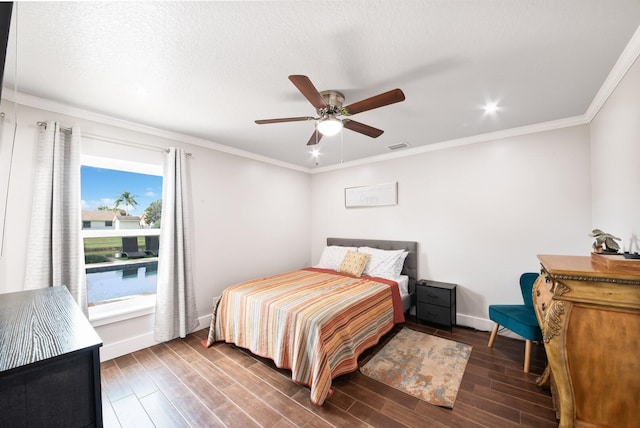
49	361
591	330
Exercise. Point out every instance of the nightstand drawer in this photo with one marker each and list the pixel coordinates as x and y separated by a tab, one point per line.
434	314
435	295
436	302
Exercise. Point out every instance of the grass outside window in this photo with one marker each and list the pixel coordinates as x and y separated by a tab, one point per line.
98	250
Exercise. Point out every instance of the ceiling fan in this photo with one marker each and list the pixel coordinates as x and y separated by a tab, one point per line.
328	105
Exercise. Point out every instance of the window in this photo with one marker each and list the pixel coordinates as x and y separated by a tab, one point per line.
98	157
121	257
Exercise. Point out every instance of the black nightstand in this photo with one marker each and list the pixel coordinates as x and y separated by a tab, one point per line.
436	303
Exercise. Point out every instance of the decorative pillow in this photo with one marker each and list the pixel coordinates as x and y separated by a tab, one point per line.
384	263
354	263
332	257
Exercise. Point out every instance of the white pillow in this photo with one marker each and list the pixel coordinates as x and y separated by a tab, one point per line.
332	257
399	264
384	263
378	258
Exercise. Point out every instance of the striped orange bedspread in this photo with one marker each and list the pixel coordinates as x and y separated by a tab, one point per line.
314	322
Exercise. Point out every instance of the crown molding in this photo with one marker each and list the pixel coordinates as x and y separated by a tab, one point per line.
56	107
627	58
474	139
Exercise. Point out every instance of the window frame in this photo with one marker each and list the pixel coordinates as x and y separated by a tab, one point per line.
133	307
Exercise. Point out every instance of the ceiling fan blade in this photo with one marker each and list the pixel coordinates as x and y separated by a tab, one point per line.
284	119
307	89
367	130
380	100
315	138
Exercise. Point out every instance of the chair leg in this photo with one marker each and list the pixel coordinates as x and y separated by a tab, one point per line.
494	332
527	355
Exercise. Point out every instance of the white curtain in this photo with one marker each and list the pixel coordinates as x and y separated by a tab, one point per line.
55	253
175	299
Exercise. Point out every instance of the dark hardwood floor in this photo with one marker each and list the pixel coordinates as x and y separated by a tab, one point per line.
181	383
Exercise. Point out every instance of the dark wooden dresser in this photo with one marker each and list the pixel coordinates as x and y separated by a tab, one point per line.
49	361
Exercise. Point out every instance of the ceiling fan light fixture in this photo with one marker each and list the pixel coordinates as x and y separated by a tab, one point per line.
329	126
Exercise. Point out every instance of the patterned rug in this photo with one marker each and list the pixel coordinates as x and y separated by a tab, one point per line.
427	367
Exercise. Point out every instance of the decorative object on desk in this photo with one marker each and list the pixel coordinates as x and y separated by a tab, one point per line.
605	242
427	367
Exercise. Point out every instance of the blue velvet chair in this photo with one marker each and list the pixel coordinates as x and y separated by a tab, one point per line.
520	319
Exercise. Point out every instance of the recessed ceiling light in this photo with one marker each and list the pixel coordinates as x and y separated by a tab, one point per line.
491	107
315	153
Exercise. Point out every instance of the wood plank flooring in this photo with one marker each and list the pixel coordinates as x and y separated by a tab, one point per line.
181	383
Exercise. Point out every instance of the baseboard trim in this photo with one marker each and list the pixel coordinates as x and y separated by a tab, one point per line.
484	324
136	343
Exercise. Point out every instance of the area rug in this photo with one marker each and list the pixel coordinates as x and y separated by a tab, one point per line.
427	367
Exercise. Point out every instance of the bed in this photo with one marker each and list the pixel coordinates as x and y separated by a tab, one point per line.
316	321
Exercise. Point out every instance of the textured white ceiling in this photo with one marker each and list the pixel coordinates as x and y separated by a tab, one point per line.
209	69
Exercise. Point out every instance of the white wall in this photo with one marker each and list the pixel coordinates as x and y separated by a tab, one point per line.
247	214
615	162
480	213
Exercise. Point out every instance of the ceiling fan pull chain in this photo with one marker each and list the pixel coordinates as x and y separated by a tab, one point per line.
342	146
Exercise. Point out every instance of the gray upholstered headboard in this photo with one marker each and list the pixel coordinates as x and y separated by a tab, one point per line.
410	264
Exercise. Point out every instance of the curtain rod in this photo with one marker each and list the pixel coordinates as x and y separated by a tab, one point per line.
63	129
114	141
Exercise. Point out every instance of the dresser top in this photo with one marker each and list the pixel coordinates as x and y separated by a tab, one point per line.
36	325
583	266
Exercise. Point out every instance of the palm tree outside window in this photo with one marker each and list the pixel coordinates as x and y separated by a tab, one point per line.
126	199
